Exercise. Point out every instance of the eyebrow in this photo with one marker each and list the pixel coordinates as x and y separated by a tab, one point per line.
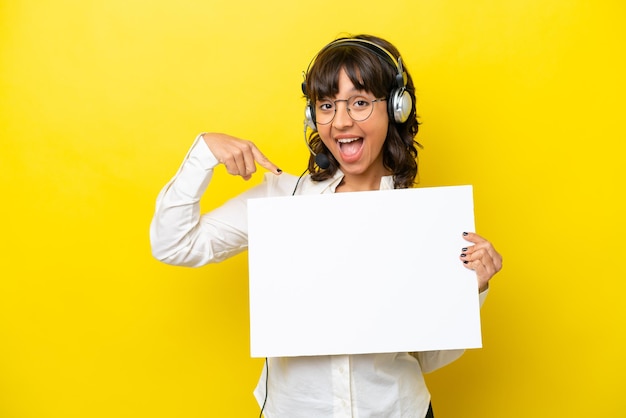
352	93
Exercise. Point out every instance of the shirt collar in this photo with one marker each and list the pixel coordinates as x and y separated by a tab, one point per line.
329	186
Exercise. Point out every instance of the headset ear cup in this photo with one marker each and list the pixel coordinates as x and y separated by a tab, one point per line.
400	105
309	117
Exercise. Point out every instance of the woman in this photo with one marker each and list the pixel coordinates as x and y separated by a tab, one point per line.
362	125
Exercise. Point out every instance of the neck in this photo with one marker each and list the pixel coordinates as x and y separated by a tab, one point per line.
351	183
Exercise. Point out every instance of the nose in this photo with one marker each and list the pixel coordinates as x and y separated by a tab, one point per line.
342	115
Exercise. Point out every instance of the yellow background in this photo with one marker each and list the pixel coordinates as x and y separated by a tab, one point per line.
101	99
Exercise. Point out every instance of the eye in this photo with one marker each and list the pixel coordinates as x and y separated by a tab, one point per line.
360	103
325	106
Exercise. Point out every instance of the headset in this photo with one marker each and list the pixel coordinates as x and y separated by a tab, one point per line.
399	104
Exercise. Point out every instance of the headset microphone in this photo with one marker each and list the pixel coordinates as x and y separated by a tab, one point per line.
321	160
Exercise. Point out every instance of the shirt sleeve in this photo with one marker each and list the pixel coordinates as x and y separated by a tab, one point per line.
432	360
179	235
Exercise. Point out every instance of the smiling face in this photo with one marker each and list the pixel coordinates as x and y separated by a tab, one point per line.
357	146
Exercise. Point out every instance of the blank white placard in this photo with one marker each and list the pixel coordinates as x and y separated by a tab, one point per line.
366	272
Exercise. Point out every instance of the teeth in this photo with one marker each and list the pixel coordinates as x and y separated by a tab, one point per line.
347	140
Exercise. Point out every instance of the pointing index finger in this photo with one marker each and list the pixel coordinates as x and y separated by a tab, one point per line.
263	161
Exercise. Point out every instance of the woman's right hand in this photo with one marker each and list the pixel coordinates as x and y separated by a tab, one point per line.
238	155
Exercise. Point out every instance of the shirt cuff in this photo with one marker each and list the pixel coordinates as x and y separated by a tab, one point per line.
196	170
482	296
202	155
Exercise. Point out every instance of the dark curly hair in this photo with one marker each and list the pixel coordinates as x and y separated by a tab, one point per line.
370	72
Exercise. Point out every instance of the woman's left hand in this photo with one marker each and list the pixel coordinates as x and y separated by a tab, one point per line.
482	258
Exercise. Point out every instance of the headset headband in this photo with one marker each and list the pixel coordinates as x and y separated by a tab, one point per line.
371	46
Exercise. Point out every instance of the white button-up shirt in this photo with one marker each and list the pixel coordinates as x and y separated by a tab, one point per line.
341	386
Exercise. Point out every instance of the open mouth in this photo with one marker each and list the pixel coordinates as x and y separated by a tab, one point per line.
350	147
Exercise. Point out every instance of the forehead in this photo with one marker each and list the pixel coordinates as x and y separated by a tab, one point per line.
345	87
345	82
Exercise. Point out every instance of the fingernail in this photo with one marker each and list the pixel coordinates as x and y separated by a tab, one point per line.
465	262
465	234
464	249
278	170
463	255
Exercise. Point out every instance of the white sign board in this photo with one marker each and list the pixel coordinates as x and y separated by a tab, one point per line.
366	272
